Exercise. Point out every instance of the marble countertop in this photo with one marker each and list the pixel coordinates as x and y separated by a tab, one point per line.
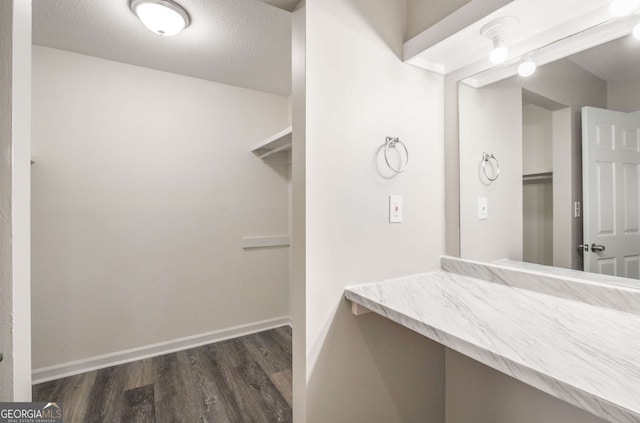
584	354
570	273
584	287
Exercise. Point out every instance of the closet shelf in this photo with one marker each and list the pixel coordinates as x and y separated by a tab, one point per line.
277	143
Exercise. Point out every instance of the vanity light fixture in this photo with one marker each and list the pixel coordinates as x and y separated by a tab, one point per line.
496	31
620	8
163	17
527	67
500	52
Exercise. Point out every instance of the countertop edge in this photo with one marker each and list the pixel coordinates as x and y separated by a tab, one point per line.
557	388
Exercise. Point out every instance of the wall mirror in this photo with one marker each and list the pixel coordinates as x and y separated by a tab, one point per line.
567	143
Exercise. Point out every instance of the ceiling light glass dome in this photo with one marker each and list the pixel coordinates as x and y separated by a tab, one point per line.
163	17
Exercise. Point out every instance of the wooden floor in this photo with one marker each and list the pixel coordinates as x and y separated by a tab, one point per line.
243	380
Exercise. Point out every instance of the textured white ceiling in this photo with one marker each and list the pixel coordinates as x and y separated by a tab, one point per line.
613	61
239	42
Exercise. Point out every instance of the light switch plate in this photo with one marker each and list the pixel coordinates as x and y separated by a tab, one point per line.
483	209
395	209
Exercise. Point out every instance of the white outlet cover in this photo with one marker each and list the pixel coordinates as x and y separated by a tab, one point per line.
483	208
395	209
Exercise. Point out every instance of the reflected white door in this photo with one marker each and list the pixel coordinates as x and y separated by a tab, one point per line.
611	191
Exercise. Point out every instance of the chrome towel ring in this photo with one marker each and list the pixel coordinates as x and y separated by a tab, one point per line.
496	170
391	142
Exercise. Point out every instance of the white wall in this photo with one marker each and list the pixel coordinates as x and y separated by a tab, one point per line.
491	122
6	278
476	393
298	212
494	125
15	140
567	84
357	93
624	95
143	185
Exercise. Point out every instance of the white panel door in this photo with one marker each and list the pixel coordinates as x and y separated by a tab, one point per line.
611	191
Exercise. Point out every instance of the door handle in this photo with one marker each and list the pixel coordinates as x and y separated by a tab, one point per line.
597	248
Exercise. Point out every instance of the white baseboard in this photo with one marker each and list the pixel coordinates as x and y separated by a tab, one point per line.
71	368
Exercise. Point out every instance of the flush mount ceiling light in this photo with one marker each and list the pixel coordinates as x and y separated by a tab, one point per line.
496	31
164	17
527	67
620	8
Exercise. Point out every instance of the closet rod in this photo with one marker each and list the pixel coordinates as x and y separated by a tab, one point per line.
533	178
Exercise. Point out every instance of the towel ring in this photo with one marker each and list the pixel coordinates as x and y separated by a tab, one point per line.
391	142
485	158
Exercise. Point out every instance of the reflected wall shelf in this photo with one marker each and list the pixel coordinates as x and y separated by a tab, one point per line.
276	145
248	242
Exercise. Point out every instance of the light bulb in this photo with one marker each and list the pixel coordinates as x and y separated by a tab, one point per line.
636	31
499	53
620	8
163	17
527	67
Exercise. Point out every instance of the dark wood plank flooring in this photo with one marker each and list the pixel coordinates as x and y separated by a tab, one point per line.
242	380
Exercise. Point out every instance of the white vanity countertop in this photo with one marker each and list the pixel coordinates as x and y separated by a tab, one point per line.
583	354
570	273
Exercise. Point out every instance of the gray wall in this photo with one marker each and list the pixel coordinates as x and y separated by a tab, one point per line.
537	206
422	14
476	393
143	186
567	83
624	95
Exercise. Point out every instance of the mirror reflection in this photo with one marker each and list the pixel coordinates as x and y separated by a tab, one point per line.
567	142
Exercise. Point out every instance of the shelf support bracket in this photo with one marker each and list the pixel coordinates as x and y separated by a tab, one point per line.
359	310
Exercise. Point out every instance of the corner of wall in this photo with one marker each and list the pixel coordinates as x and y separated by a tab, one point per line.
15	137
357	92
298	212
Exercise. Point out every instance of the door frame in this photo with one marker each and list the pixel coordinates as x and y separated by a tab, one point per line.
15	200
